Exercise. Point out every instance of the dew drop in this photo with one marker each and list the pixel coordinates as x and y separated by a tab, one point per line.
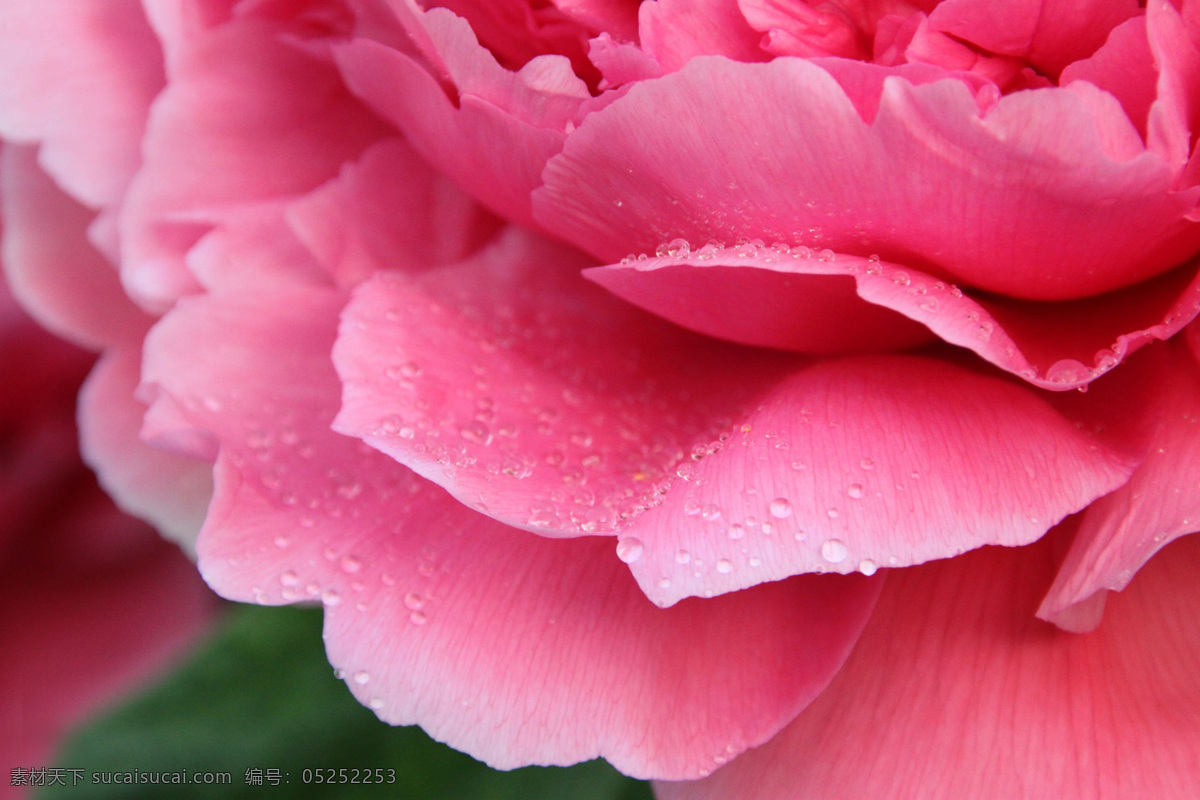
414	601
834	551
781	508
683	557
724	566
832	513
710	512
867	567
362	678
417	618
410	369
736	531
350	565
855	490
289	578
867	464
677	248
330	597
630	550
901	279
375	703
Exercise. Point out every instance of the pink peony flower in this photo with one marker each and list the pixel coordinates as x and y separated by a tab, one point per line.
94	601
365	264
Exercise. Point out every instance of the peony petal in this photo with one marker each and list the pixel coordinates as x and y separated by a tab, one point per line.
807	302
617	17
51	267
349	224
559	413
722	150
1050	34
1124	67
1175	114
248	117
496	138
85	97
501	643
955	690
673	32
553	407
169	491
1122	531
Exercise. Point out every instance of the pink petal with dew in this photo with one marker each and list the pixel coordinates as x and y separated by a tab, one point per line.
824	302
673	32
858	464
248	117
722	150
1124	67
955	690
1050	34
86	96
349	223
169	490
59	277
1119	533
530	394
620	62
513	647
562	413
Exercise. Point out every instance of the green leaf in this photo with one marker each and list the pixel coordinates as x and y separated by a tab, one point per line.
261	696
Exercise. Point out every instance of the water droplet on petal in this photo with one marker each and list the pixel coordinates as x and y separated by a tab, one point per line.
724	566
834	551
781	508
289	578
855	490
350	565
736	531
375	703
710	512
417	618
362	678
630	550
683	557
867	567
414	601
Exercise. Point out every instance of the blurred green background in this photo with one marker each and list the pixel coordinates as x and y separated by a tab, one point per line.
260	694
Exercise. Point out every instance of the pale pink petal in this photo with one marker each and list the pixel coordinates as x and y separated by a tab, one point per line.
675	31
809	302
955	690
517	648
1050	34
50	265
1161	502
168	490
248	117
723	150
496	134
720	467
1123	66
349	224
86	96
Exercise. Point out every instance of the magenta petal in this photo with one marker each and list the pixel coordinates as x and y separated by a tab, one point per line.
169	491
721	150
1048	33
1122	531
86	95
59	277
674	32
956	691
248	117
516	648
1123	66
